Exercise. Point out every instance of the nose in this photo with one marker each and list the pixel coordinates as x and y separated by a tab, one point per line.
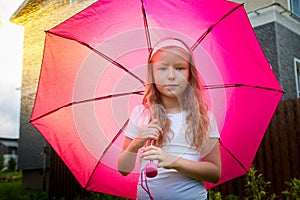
171	73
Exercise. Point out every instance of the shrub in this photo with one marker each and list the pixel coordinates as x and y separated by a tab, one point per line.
214	195
256	187
293	190
232	197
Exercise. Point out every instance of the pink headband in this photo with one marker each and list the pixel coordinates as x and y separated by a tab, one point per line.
168	43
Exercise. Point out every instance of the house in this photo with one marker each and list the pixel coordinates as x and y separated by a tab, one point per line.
37	16
277	27
276	24
8	149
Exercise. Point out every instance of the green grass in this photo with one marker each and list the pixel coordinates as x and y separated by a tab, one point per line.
11	188
15	191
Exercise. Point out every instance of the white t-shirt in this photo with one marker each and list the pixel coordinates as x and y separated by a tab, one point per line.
169	184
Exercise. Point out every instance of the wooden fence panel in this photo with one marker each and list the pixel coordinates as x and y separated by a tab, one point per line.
278	155
277	158
280	147
62	183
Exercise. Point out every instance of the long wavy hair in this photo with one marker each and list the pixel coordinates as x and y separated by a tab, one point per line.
192	102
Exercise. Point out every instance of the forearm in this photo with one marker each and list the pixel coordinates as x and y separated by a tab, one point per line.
126	162
127	158
208	170
202	171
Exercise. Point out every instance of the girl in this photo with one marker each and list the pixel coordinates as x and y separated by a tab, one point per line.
175	116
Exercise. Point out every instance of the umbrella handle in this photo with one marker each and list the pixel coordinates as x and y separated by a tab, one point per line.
151	169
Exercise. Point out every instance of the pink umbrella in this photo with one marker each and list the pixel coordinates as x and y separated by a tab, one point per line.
92	76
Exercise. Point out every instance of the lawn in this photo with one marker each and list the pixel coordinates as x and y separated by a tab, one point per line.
11	188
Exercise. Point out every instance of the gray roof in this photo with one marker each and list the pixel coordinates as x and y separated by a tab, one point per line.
9	142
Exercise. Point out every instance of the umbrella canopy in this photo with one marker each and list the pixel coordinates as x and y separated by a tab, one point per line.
93	73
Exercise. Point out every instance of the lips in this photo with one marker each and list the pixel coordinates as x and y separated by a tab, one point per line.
171	85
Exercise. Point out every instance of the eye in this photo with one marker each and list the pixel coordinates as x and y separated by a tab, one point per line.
180	67
162	68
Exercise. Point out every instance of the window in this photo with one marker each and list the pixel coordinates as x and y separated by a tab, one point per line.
295	7
297	75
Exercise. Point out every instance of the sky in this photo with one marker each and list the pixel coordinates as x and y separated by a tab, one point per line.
11	51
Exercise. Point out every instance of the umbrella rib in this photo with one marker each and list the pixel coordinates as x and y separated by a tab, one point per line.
201	38
141	93
234	157
113	62
240	85
106	149
86	101
114	139
147	32
102	55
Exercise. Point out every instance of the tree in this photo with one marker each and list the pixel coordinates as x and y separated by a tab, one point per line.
11	164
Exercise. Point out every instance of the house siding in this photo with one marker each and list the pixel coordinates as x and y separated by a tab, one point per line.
288	45
281	46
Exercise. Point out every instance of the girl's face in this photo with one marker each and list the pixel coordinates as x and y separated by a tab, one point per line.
171	71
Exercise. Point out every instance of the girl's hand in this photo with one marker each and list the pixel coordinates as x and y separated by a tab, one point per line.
164	159
150	131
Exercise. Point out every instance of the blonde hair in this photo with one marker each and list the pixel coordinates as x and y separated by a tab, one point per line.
193	100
